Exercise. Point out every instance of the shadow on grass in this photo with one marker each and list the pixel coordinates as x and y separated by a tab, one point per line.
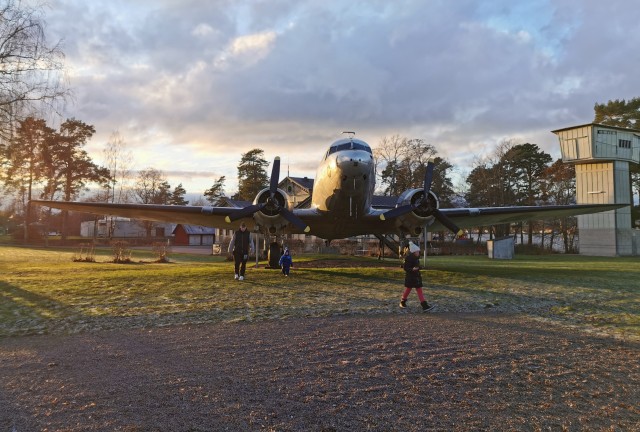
20	305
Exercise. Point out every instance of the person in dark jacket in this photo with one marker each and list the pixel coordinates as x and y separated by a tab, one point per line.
413	278
286	262
241	246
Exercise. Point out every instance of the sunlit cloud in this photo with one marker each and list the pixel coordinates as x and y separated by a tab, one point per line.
192	88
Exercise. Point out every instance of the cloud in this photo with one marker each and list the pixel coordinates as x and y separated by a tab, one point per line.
211	80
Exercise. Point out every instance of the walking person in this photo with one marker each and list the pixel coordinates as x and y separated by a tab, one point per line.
286	262
413	278
241	245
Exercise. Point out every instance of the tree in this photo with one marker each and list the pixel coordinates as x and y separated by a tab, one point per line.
402	162
491	185
117	159
525	164
252	174
411	169
72	168
441	184
215	192
68	167
24	158
177	196
31	71
388	154
152	187
619	113
559	188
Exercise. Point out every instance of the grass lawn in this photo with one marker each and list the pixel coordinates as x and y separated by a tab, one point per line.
45	291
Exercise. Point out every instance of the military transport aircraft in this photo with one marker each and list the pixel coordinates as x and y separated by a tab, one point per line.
341	205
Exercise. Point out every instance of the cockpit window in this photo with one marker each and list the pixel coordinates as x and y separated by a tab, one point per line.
358	146
351	145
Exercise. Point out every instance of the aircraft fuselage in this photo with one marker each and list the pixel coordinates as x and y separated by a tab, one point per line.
344	183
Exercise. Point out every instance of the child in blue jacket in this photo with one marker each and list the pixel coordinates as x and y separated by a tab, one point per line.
286	262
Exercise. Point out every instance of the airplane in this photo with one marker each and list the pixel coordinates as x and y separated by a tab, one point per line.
341	205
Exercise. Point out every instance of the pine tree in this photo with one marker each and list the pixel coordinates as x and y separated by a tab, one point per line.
252	174
215	192
177	196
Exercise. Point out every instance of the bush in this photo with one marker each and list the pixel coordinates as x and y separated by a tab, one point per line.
121	251
85	253
161	250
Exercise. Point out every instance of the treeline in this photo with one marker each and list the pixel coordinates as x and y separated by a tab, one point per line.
41	162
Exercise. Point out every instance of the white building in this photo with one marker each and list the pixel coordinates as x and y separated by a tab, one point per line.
602	155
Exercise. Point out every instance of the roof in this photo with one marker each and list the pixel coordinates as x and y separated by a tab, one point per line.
596	124
304	182
228	202
305	203
195	229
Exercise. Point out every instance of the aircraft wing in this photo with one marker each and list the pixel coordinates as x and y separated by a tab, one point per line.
484	216
324	227
191	215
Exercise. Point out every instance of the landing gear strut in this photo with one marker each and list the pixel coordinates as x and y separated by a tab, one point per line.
274	255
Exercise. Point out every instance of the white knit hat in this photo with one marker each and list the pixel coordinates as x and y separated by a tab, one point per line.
413	248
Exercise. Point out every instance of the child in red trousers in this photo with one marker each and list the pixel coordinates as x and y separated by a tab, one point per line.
413	279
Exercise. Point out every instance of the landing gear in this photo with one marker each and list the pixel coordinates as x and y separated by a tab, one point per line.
274	255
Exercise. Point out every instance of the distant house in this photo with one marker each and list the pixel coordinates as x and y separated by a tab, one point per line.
194	235
298	189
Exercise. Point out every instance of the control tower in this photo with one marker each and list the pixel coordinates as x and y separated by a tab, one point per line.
602	155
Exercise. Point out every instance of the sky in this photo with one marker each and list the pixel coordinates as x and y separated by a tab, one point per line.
192	85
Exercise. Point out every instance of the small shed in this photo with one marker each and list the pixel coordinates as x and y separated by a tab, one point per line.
194	235
501	248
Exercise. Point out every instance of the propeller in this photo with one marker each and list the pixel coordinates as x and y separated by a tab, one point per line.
423	203
271	205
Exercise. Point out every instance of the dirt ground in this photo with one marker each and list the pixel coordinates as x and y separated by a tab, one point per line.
406	372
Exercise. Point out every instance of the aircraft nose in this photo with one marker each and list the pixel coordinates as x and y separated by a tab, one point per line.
354	164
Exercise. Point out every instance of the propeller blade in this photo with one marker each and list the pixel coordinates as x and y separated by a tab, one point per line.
398	211
275	175
243	212
428	178
444	220
295	220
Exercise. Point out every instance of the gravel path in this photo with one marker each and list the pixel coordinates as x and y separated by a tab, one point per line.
408	372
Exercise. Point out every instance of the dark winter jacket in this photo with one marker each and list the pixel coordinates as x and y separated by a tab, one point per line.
241	243
412	278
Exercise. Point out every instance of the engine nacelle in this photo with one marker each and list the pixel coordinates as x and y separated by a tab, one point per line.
268	217
413	222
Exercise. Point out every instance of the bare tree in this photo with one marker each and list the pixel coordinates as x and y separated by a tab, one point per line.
31	71
118	160
152	187
388	155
